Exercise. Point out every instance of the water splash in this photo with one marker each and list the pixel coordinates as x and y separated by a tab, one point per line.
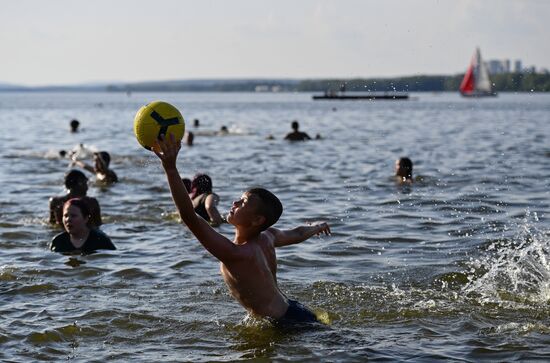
515	272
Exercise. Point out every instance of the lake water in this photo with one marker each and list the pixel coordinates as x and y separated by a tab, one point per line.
455	267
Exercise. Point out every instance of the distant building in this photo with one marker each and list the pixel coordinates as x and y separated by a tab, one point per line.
518	68
497	66
267	88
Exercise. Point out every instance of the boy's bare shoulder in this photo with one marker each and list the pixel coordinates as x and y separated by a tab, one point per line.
57	200
270	235
261	240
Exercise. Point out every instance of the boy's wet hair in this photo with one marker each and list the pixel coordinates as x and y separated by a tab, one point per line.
270	206
74	178
105	157
80	204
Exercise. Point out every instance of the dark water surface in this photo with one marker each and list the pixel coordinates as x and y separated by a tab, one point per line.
455	267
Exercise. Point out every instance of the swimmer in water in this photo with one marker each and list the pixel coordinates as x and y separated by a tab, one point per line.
223	131
101	169
189	137
74	125
76	184
205	201
404	170
297	135
248	263
79	236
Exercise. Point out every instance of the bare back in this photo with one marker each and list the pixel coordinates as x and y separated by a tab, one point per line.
254	282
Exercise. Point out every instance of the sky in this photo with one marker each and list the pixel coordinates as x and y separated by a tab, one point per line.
75	41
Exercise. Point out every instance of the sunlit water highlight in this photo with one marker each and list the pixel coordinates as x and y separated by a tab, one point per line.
454	267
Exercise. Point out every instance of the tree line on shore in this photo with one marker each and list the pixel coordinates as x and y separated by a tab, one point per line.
506	82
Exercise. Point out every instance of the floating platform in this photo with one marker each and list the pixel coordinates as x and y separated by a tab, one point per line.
364	96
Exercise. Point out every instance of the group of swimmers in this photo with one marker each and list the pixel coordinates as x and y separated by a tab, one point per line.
248	263
295	135
190	135
78	214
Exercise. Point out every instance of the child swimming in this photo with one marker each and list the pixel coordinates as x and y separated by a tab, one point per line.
100	168
248	263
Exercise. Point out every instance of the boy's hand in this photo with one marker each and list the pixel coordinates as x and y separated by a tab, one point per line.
298	234
323	228
167	151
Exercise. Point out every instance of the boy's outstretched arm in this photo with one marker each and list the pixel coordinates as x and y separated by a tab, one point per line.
219	246
83	165
298	234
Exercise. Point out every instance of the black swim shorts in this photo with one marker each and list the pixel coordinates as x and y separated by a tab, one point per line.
297	313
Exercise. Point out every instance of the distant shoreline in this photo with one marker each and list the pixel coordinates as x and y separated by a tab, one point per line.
506	82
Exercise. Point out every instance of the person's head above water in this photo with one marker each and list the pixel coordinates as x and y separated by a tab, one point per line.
200	184
266	208
102	160
74	125
270	206
76	214
295	125
75	180
404	168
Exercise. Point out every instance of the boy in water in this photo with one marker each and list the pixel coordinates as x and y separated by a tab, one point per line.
248	263
101	169
76	184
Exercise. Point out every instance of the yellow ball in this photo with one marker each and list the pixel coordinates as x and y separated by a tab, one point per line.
155	119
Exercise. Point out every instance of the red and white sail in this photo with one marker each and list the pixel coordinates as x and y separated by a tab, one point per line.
476	81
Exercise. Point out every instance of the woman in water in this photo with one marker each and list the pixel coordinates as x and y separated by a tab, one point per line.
79	236
204	200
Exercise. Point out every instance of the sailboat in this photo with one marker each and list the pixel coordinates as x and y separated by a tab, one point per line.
476	82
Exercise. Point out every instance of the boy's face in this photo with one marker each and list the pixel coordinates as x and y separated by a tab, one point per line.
73	220
245	211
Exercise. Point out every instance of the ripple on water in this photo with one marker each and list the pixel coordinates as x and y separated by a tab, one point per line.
133	274
29	289
61	334
430	271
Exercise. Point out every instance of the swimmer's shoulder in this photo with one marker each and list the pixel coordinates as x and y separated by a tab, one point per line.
271	235
56	200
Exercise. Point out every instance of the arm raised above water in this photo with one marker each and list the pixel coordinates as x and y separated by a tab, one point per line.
83	165
219	246
298	234
210	204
